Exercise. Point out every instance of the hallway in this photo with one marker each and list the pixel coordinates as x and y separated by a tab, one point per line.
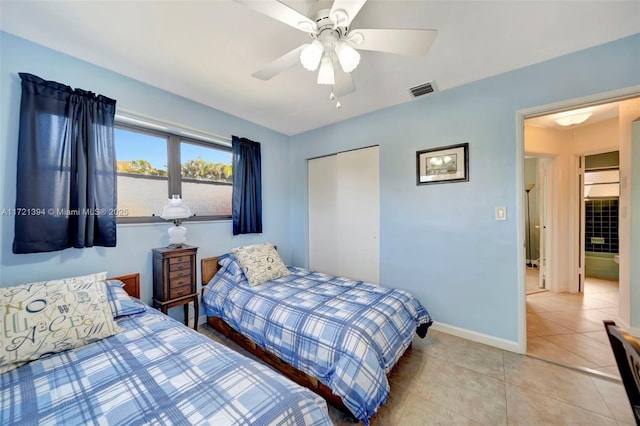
567	328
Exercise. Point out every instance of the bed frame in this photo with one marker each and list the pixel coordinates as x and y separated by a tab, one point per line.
209	267
131	284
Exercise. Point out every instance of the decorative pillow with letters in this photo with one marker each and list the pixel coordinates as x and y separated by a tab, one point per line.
260	263
39	319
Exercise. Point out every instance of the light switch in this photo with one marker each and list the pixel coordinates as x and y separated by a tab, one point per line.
501	213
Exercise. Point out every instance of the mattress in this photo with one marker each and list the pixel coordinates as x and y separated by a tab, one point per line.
347	333
157	371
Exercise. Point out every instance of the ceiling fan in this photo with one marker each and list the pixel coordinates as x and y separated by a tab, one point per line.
334	42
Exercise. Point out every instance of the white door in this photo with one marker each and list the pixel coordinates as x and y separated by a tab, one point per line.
323	191
542	214
581	219
344	214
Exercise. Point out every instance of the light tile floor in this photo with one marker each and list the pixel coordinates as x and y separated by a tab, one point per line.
533	281
567	327
446	380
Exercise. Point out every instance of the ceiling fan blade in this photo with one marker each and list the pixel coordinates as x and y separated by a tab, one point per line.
280	64
283	13
351	7
343	83
404	42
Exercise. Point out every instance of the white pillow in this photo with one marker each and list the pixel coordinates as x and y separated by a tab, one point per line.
260	263
38	319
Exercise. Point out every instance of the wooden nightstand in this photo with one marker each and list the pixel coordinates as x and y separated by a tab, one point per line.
174	280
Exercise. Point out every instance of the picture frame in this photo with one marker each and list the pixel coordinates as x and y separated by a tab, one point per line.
445	164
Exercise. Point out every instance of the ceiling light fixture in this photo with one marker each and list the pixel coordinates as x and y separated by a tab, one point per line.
311	55
348	57
572	119
327	49
326	72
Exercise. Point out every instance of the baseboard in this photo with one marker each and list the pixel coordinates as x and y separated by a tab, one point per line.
634	331
474	336
202	319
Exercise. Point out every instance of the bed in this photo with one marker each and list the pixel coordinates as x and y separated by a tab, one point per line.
339	337
154	370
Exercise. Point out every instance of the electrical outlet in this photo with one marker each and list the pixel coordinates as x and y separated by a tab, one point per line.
501	213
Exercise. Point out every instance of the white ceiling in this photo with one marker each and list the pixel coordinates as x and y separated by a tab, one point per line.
207	50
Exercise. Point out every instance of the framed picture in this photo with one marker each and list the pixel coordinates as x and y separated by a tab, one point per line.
443	165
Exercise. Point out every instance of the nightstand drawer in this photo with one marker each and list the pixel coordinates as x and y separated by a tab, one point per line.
179	259
180	281
180	291
179	273
179	266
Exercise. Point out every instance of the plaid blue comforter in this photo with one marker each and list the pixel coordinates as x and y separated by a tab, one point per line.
346	333
156	372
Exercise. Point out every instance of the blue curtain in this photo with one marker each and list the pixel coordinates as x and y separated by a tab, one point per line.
247	187
66	180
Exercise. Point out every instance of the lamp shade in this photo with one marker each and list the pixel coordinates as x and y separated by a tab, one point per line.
175	209
311	55
348	57
325	75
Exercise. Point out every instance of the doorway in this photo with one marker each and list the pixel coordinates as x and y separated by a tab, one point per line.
567	319
535	172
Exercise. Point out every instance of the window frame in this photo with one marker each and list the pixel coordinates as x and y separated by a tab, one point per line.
174	171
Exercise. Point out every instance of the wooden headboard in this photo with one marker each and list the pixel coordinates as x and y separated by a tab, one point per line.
131	284
208	268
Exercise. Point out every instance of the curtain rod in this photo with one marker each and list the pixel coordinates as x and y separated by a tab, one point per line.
126	115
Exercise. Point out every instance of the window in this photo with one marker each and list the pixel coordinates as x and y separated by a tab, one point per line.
154	165
602	184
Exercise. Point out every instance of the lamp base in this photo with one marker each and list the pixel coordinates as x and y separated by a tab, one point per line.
177	236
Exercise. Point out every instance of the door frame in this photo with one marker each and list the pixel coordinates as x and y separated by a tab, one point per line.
521	116
543	214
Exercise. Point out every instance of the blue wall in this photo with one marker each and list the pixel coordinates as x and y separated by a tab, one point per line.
441	242
133	252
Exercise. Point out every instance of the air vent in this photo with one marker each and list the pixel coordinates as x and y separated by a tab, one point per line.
423	89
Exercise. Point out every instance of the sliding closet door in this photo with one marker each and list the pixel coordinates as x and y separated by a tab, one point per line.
344	214
323	184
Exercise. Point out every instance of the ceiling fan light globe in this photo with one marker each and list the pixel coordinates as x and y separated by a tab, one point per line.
355	38
340	18
348	57
311	55
325	74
